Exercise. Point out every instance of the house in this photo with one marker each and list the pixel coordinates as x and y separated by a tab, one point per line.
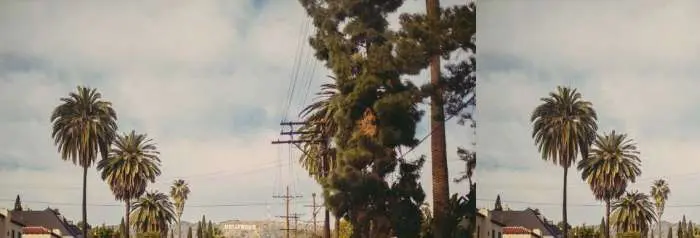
39	232
486	226
49	219
520	232
529	219
9	226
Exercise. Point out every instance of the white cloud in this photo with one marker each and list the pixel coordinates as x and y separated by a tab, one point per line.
205	79
633	61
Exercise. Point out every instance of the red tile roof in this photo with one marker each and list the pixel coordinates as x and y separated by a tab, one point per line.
35	230
514	230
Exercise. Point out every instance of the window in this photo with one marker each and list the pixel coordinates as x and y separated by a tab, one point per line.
493	233
500	235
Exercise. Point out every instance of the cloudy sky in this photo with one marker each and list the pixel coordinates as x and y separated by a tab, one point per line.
636	61
207	80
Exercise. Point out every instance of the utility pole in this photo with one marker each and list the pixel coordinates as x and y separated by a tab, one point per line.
314	210
325	157
287	216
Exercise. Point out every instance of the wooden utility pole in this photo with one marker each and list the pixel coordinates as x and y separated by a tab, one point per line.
287	215
324	156
314	210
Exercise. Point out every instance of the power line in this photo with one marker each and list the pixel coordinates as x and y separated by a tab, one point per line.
239	204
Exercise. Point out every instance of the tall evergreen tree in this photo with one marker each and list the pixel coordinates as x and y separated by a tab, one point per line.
498	206
18	204
679	230
690	231
189	232
210	230
123	228
199	230
377	110
670	232
602	227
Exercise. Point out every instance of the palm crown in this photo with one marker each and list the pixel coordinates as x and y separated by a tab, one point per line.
152	212
563	126
633	212
132	163
611	164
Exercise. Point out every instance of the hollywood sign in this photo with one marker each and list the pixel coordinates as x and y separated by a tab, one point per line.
240	227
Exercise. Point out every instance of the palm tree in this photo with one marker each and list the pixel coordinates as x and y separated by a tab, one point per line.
132	163
564	125
611	164
179	192
660	192
83	125
633	213
318	158
152	212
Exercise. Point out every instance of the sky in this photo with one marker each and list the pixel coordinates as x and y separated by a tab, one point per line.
636	61
208	81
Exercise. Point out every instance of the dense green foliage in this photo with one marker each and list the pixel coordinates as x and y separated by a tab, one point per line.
104	232
368	112
83	125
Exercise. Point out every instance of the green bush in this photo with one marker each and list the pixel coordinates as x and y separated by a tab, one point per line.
629	235
150	234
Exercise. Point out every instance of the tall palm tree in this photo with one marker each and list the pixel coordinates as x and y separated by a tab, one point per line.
660	192
132	163
633	213
83	125
564	125
153	212
179	192
612	163
319	158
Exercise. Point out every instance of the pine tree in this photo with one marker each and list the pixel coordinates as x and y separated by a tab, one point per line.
497	206
378	110
690	229
210	230
122	228
601	227
18	204
679	230
670	232
200	234
189	232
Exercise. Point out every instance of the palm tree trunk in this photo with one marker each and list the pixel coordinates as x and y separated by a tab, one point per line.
659	222
85	231
326	224
441	189
607	218
126	218
566	223
179	228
